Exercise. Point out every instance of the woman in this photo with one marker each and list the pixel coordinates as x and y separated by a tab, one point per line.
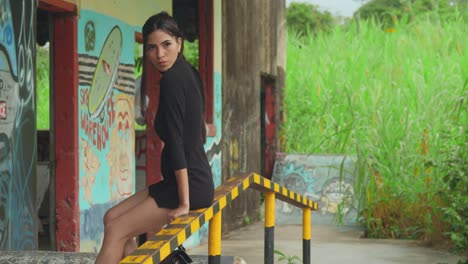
188	182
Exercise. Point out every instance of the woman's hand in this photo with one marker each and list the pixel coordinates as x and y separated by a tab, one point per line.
180	211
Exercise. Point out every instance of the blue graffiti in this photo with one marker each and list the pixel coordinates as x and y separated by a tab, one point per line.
8	35
21	134
92	227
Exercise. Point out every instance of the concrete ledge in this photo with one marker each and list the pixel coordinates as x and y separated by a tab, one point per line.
46	257
52	257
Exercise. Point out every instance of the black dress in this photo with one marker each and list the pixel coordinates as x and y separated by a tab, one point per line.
179	124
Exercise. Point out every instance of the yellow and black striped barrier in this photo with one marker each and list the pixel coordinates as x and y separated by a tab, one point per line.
164	242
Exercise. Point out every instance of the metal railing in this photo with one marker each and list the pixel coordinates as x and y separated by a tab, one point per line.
169	238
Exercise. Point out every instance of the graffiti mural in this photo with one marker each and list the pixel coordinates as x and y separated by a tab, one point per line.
326	179
17	124
106	118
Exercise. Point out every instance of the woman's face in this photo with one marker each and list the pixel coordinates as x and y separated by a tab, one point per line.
162	49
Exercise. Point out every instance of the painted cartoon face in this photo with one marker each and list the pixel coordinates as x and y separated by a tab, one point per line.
119	156
124	187
162	49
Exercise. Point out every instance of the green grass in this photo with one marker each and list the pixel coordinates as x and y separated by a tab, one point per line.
394	98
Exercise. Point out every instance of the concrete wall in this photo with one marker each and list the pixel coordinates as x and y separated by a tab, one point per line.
253	44
326	179
130	12
17	124
106	118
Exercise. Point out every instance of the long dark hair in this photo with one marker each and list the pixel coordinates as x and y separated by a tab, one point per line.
164	21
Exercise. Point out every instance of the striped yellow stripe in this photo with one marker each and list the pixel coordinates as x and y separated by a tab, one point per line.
257	178
194	226
181	238
306	223
208	214
270	209
245	184
152	244
143	259
222	203
165	251
183	220
162	244
235	193
277	187
169	231
214	242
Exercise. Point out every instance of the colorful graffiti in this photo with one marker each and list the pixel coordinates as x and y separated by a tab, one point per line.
326	179
17	124
106	116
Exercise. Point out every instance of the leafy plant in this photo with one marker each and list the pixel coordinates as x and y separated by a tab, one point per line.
395	100
306	18
286	258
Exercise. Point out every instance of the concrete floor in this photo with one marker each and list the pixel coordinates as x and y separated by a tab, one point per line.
328	245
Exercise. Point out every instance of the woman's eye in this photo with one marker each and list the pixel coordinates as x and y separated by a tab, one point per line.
167	44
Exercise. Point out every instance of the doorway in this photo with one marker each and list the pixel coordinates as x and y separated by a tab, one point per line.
269	121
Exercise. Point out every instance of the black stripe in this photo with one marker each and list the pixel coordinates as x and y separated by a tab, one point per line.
174	244
124	91
215	259
126	71
84	55
215	208
87	64
127	64
306	251
85	78
84	83
86	72
131	79
156	258
201	219
269	244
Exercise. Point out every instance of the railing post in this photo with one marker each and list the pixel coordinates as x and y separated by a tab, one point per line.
269	227
214	243
306	226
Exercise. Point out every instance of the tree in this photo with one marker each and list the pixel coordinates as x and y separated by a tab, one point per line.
306	18
389	11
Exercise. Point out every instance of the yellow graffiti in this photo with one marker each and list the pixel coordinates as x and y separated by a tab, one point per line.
90	167
122	147
234	156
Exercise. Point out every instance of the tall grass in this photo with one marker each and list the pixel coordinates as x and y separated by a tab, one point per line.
394	98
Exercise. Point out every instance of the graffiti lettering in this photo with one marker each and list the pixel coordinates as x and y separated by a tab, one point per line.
96	132
3	110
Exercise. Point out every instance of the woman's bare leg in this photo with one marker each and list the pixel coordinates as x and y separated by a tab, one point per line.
141	218
120	209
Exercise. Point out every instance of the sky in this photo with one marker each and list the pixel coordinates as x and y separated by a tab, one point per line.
336	7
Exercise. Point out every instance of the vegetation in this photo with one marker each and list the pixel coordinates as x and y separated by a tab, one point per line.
306	19
286	258
395	98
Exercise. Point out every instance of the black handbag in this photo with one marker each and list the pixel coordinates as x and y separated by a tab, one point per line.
178	256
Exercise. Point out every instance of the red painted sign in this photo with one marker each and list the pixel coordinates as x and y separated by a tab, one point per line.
3	110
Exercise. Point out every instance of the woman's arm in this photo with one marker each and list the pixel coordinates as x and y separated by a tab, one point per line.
183	189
